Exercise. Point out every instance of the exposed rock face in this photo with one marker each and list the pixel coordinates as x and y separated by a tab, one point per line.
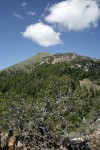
94	140
45	140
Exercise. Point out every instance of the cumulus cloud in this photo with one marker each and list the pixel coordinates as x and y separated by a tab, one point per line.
18	16
31	13
75	14
42	34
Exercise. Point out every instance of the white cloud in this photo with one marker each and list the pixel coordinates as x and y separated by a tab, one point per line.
45	10
18	16
42	34
75	14
23	4
31	13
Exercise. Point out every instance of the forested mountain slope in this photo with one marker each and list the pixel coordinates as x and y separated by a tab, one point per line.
55	91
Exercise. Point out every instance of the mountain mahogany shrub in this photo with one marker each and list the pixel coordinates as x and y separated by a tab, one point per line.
25	95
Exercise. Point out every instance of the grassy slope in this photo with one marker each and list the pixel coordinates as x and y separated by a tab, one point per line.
30	61
89	84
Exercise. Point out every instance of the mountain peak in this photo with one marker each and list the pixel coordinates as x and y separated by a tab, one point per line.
42	57
30	61
43	53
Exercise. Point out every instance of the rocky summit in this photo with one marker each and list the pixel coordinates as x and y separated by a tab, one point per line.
51	102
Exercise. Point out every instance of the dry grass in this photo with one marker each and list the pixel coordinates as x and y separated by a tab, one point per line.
89	84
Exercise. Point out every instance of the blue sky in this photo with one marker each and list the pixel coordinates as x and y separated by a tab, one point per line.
31	26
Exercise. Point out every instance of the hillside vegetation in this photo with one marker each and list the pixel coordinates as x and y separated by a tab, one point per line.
30	61
51	92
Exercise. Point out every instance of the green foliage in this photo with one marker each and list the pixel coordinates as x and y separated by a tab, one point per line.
49	91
